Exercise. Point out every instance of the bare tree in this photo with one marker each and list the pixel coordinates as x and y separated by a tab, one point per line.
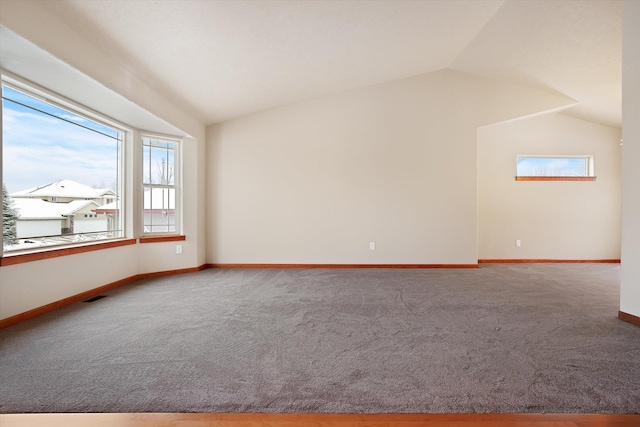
164	172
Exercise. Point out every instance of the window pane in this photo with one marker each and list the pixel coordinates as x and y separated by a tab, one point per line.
159	210
553	166
158	162
159	202
62	172
161	166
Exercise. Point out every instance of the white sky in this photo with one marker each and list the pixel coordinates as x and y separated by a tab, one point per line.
39	149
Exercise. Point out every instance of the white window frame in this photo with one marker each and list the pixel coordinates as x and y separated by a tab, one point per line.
177	183
588	159
38	92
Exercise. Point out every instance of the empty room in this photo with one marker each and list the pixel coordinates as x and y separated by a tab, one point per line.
320	212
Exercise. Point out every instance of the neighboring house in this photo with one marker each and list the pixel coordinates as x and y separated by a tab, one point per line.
158	207
61	208
39	218
65	190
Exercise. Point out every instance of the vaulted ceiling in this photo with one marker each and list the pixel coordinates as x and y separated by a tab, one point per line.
225	59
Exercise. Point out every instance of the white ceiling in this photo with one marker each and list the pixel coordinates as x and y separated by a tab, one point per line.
225	59
570	47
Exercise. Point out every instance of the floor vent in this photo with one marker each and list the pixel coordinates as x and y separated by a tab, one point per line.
96	298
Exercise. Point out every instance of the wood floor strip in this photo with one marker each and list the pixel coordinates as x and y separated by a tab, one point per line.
548	261
342	265
318	420
634	320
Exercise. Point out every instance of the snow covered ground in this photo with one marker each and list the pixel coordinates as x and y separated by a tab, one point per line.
34	243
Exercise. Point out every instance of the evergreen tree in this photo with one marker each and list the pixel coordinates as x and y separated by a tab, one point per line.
9	218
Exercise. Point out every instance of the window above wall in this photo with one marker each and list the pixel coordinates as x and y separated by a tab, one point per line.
59	165
34	72
63	178
555	168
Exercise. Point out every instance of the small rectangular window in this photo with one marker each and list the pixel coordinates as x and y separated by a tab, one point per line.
555	168
159	185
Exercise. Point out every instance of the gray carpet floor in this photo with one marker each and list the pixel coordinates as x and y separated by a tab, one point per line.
502	338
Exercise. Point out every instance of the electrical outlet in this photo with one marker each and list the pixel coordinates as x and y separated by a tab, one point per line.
372	246
518	243
178	249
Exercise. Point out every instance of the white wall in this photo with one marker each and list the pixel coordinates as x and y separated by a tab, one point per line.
630	285
553	220
27	286
394	163
30	285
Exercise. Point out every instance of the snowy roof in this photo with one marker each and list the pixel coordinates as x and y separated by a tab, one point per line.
41	209
64	188
108	208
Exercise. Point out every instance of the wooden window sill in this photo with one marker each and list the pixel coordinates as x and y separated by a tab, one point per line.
555	178
54	252
156	239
